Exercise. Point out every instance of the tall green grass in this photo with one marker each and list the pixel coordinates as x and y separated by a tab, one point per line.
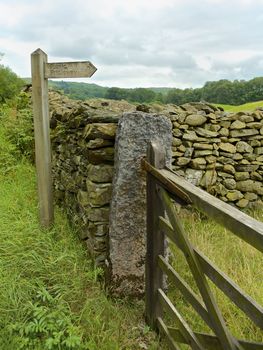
50	294
241	262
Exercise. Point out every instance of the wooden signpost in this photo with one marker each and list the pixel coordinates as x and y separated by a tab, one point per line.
42	70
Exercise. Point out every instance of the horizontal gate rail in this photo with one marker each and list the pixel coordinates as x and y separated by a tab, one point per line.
184	328
185	289
163	221
249	306
210	341
242	225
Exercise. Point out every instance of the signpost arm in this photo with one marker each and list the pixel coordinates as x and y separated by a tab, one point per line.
42	138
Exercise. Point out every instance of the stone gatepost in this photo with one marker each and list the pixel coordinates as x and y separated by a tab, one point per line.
127	230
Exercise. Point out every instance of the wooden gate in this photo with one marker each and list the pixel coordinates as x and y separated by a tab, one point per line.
164	186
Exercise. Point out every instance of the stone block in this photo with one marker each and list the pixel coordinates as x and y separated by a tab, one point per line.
176	142
190	136
100	130
127	230
100	172
240	176
237	124
203	146
101	155
99	194
198	163
247	167
182	161
98	214
203	153
177	133
227	147
228	168
245	118
193	176
243	147
258	150
98	143
195	119
242	203
254	125
250	196
230	183
233	196
208	179
224	132
245	186
206	133
243	132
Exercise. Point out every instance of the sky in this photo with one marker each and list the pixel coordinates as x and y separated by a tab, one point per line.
138	43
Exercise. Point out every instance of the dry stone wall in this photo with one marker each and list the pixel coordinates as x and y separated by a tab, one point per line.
83	137
220	152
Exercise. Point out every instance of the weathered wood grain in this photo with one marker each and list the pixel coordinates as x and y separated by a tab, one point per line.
184	328
83	69
164	331
42	138
155	239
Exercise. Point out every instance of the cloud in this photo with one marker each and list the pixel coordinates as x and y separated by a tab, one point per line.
140	42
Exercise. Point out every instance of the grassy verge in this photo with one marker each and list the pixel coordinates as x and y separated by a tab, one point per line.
241	262
50	297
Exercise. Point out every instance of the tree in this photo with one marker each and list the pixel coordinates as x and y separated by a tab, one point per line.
116	93
10	83
175	96
141	95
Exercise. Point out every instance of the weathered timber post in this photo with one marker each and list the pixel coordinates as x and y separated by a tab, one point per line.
42	138
155	238
42	70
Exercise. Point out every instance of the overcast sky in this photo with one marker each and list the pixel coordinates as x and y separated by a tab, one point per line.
138	43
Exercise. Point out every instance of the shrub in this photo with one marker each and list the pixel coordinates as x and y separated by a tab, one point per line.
19	127
49	325
10	84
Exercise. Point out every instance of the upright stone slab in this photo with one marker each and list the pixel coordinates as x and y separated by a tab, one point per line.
127	230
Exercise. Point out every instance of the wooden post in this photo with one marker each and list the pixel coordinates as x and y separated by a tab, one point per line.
41	71
42	138
155	239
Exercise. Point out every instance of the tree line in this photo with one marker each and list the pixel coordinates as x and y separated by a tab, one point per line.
223	91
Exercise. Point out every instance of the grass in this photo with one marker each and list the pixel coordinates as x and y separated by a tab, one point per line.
50	294
251	106
241	262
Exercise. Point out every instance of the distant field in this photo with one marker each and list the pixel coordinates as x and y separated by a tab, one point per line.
245	107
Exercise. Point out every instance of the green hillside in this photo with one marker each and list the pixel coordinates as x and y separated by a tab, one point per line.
245	107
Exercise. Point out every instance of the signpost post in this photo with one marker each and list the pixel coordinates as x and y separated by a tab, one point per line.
41	71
